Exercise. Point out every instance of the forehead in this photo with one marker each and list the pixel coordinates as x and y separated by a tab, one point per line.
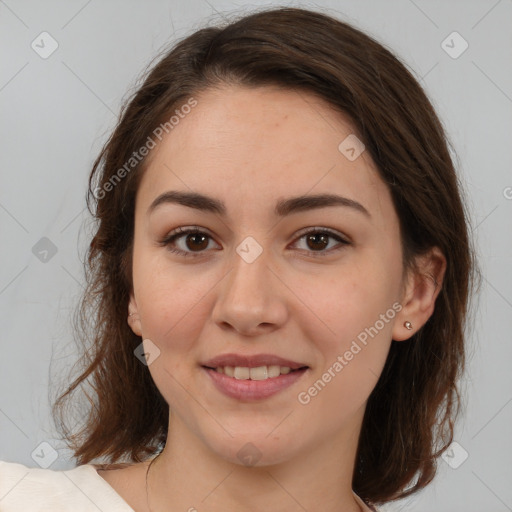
251	146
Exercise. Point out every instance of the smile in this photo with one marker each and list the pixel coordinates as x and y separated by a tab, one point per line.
250	384
258	373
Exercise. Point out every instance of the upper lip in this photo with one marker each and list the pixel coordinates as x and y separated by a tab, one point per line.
251	361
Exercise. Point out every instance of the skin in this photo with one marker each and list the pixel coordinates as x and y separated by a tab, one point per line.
251	148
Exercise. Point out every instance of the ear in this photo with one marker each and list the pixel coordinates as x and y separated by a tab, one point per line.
422	287
133	316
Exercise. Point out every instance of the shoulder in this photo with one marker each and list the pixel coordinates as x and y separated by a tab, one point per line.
81	489
371	508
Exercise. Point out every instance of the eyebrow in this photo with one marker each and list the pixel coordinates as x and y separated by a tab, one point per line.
283	207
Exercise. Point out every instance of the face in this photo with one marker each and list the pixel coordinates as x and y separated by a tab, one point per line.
315	283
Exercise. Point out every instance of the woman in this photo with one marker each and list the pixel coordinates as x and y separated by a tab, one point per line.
277	285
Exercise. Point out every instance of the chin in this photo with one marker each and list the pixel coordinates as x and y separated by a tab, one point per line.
256	450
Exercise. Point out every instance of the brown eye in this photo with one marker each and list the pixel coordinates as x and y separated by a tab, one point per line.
193	242
187	242
317	241
196	241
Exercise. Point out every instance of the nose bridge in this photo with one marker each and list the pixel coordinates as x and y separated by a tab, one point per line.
248	296
248	280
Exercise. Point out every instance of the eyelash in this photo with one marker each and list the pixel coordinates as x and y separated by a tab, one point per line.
181	232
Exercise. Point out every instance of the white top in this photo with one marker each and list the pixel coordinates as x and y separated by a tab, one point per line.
82	489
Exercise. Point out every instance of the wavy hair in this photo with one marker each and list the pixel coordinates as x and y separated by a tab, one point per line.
410	414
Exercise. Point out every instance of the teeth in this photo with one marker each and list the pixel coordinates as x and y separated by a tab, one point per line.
259	373
241	373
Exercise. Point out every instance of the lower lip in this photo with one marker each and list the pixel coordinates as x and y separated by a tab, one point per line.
253	389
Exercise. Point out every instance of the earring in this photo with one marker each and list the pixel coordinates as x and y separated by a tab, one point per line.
408	325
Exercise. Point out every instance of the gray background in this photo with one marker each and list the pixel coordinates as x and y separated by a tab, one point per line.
56	113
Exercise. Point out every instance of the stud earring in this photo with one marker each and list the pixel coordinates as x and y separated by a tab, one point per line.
408	325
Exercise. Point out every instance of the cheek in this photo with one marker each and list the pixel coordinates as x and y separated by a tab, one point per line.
348	303
352	358
172	303
173	308
351	328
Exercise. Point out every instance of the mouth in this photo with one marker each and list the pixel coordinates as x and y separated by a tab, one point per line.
250	378
256	373
253	367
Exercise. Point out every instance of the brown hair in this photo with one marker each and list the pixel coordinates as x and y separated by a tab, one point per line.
410	414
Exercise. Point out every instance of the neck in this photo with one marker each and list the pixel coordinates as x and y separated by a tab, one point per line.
190	476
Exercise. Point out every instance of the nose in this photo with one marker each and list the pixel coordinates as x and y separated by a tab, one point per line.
251	298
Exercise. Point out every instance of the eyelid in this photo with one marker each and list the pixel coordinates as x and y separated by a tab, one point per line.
341	239
182	231
323	229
